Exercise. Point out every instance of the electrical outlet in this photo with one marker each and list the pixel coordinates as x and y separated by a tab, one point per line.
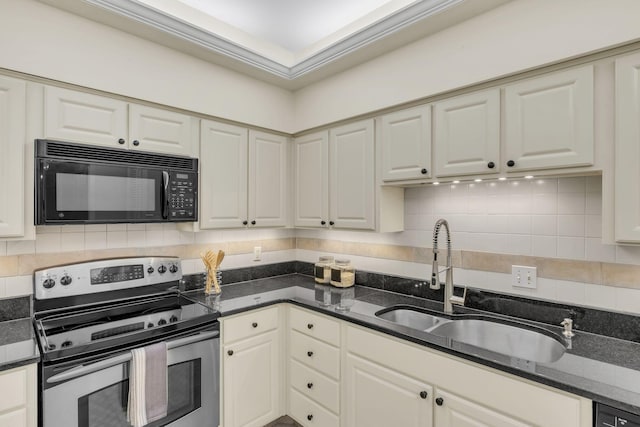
524	277
257	253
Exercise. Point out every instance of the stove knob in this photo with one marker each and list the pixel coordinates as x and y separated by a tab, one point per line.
162	322
51	347
173	319
66	344
150	325
49	283
150	270
173	268
162	269
66	280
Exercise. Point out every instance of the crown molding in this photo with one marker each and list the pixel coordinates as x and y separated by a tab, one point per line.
159	20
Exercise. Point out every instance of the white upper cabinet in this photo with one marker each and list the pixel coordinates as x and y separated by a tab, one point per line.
242	177
627	149
12	143
311	158
549	121
93	119
268	179
406	144
351	176
467	134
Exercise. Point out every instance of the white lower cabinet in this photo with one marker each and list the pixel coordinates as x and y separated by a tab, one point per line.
378	396
251	369
18	397
455	411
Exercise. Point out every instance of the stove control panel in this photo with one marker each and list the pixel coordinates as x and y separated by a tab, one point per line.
104	275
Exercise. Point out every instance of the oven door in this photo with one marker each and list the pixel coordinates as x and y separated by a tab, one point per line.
73	192
96	394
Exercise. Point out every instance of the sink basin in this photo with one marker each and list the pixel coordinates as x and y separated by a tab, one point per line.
411	317
513	341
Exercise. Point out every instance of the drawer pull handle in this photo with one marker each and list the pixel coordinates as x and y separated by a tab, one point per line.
254	324
136	142
424	394
121	141
511	163
309	417
309	385
230	352
309	353
309	325
439	401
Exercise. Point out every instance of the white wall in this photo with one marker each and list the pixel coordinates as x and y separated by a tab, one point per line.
45	41
520	35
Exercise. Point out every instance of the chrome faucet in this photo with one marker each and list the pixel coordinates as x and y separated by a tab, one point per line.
449	299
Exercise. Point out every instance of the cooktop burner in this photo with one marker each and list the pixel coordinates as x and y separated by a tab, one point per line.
86	315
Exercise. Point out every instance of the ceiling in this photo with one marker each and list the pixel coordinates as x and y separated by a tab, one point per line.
290	43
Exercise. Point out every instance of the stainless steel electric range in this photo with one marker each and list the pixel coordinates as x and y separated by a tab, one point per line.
88	318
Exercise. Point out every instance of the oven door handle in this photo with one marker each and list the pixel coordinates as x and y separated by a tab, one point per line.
126	357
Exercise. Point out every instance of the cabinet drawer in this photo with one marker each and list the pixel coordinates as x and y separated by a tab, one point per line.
315	386
309	413
249	324
13	389
315	354
315	325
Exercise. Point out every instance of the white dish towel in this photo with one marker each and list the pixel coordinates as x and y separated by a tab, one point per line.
147	384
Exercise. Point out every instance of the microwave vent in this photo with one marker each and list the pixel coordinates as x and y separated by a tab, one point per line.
71	151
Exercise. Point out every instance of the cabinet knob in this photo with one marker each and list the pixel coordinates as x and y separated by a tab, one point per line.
309	353
253	222
331	222
491	165
424	394
309	417
254	324
511	163
309	325
230	352
121	141
309	385
423	171
136	142
245	222
323	222
439	401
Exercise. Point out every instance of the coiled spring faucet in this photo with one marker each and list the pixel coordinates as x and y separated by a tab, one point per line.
449	299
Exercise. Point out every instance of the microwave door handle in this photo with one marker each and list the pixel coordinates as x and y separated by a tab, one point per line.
165	194
123	358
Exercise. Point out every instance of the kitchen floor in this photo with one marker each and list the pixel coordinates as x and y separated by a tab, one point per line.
283	422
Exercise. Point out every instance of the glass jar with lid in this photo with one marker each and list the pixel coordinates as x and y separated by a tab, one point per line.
322	270
343	274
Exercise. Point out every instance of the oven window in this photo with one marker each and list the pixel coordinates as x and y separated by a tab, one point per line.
108	407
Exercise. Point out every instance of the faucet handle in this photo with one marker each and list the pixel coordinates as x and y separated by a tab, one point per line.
459	300
568	328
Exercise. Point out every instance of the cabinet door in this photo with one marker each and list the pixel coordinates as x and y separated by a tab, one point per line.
312	180
223	175
627	149
406	144
84	118
377	396
267	180
351	176
251	386
12	141
549	121
455	411
159	131
467	134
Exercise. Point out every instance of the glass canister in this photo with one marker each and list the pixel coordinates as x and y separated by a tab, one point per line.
343	274
322	269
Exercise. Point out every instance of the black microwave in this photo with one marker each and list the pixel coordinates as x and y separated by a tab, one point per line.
86	184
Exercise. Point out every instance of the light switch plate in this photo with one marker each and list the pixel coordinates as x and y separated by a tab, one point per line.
524	277
257	253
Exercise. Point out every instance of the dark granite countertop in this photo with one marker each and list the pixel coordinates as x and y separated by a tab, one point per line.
600	368
17	344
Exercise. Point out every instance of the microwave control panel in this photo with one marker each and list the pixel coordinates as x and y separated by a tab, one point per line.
183	194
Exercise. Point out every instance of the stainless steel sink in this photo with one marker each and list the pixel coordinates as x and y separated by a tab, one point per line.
410	317
501	338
